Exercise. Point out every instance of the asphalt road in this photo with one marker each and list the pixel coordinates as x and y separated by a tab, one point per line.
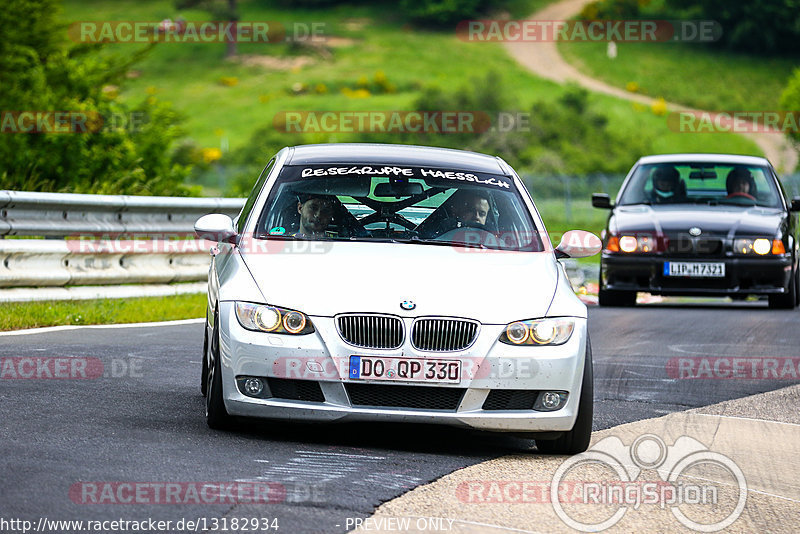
143	421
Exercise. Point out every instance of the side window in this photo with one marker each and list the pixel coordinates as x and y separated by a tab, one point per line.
251	200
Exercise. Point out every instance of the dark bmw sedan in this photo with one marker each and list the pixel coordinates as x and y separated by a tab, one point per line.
700	224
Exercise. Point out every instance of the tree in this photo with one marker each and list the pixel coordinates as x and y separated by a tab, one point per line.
44	76
790	100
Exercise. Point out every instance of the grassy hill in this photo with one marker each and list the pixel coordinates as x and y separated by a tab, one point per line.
686	73
224	102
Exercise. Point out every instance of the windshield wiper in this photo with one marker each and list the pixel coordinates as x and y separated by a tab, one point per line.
419	241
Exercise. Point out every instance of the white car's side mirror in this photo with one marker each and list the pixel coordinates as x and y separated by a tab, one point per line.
215	227
578	244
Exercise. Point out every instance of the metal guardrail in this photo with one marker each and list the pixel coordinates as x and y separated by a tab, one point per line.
104	258
62	214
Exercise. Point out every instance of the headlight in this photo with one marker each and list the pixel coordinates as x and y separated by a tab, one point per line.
761	246
262	318
555	331
630	244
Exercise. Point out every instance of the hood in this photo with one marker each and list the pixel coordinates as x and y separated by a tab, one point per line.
717	220
328	278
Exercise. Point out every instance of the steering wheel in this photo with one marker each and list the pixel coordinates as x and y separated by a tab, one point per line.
468	232
742	195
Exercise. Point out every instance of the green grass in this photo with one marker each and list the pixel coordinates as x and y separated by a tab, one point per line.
688	74
188	75
21	315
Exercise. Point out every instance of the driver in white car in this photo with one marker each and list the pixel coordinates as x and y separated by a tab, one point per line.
316	214
472	206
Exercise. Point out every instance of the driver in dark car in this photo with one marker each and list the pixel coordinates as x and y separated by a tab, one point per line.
666	185
740	183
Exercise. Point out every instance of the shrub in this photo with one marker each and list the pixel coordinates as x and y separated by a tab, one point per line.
790	99
130	154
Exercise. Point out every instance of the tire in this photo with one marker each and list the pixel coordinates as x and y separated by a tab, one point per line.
216	415
607	297
576	440
788	300
204	372
797	288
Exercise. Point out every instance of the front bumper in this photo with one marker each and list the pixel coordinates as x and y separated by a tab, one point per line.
749	276
321	360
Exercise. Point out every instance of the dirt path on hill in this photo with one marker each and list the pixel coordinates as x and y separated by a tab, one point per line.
544	60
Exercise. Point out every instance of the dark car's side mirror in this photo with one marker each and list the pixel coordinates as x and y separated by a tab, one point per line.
601	200
795	206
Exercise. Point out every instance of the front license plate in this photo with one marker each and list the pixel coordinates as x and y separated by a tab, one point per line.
694	269
405	369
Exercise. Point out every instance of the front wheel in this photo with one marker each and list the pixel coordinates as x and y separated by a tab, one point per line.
204	370
576	440
216	415
608	297
788	300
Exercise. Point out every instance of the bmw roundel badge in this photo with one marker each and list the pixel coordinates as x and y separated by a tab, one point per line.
408	305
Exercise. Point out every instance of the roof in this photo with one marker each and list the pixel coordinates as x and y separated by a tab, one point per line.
388	154
705	158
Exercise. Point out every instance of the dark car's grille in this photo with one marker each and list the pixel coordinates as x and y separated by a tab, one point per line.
443	334
413	397
684	245
371	331
302	390
510	399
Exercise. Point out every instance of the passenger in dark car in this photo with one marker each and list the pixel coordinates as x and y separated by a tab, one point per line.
740	183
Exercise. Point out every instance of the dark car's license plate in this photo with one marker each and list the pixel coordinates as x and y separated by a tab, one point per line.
694	269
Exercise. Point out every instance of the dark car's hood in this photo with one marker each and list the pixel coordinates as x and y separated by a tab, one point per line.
717	220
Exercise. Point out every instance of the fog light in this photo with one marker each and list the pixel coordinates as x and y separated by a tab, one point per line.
549	401
253	387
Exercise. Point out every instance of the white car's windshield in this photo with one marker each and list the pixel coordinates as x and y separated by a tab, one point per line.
367	202
709	183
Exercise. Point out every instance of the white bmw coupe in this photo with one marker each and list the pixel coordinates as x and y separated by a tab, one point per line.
396	283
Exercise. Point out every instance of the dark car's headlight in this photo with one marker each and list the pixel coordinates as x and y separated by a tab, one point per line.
263	318
760	246
631	244
556	331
